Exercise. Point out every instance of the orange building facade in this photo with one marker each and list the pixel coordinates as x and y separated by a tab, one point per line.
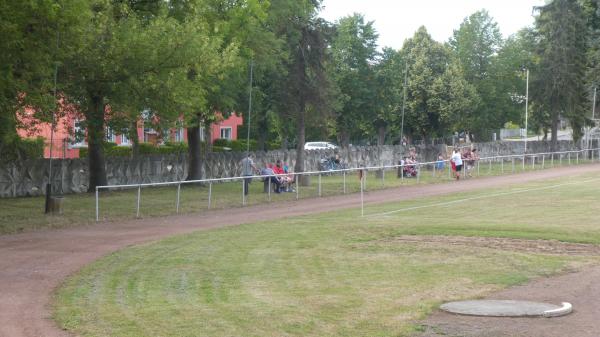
65	143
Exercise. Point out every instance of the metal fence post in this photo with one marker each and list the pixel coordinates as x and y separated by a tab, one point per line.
543	161
244	192
344	182
269	191
523	162
209	194
418	173
382	176
139	195
560	155
320	185
533	163
577	157
569	158
552	160
478	168
297	187
362	198
449	169
490	168
97	209
178	196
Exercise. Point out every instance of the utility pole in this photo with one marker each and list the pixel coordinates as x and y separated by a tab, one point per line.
249	108
403	104
52	127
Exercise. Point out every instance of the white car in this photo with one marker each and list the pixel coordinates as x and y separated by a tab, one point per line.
319	146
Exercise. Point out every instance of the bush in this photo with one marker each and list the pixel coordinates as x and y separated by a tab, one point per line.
234	145
18	148
111	150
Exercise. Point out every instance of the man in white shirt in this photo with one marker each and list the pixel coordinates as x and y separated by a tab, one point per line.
457	160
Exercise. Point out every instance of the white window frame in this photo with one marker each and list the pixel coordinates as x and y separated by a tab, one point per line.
125	140
179	135
230	132
78	130
110	135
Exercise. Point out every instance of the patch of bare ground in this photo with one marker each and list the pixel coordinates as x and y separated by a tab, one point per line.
508	244
580	288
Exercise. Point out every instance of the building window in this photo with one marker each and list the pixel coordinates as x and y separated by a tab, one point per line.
78	139
226	133
178	137
110	135
125	140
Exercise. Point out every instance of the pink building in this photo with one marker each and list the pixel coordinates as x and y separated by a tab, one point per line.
69	135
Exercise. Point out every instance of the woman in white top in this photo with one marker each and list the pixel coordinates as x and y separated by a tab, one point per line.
457	160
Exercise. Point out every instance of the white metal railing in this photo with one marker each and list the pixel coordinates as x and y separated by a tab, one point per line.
592	154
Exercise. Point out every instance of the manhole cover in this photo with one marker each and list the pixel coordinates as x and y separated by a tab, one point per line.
505	308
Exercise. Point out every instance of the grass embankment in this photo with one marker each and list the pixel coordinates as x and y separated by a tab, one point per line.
25	214
332	274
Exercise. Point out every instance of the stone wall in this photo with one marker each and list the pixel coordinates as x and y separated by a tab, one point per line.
28	178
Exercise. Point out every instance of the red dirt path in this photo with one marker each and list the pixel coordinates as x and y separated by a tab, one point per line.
34	264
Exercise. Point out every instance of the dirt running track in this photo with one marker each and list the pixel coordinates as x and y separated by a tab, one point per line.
33	264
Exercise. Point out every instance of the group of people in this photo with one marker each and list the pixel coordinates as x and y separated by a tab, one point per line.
409	164
466	159
278	174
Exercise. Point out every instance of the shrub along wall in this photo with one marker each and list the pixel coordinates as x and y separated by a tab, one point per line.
28	177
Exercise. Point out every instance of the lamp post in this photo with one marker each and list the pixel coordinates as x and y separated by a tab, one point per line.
526	70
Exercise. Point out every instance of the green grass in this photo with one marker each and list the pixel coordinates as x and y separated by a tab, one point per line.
26	214
331	274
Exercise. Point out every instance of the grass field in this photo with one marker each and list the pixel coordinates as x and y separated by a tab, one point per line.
25	214
332	274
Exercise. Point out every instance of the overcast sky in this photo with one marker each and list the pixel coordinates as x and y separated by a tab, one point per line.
397	20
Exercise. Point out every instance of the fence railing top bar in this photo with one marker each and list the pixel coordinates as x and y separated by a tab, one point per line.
354	169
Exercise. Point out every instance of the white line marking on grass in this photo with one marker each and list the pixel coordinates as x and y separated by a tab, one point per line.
446	203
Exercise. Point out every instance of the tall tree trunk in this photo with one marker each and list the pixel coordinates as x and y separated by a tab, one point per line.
344	139
555	122
195	158
208	137
301	132
134	138
381	135
95	120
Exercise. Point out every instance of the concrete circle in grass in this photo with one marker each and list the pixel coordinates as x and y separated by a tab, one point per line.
507	308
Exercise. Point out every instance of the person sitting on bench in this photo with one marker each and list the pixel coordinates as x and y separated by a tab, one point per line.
286	180
269	174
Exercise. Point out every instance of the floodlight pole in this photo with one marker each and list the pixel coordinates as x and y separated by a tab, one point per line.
526	106
249	108
403	105
52	126
594	104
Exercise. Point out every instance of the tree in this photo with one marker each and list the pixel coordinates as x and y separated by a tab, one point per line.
353	55
432	72
128	61
562	53
389	85
303	88
28	40
476	45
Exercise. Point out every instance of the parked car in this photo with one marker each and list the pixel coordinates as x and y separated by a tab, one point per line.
319	146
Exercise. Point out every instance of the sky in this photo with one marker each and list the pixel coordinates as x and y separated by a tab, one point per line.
397	20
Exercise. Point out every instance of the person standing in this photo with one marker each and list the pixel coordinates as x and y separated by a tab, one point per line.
248	169
458	163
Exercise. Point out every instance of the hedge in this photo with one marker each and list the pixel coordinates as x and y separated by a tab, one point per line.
23	148
112	150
